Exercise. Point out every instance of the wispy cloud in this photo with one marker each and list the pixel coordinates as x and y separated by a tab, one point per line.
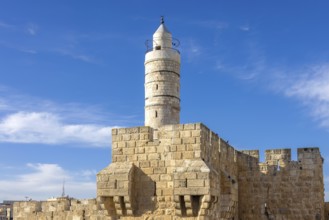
214	24
192	50
29	51
75	55
42	181
6	25
245	27
32	29
250	67
310	86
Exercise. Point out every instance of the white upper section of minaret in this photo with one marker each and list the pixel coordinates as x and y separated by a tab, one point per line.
162	46
162	37
162	81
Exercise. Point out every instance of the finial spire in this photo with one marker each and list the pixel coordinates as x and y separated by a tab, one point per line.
162	20
63	190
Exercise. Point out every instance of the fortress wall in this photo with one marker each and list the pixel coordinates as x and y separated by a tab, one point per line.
280	188
59	210
186	171
228	169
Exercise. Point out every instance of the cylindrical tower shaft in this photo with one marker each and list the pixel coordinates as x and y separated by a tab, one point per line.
162	81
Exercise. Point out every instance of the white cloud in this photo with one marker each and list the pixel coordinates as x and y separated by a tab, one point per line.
311	87
42	181
48	128
26	119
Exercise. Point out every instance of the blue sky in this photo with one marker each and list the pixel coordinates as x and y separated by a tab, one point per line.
255	72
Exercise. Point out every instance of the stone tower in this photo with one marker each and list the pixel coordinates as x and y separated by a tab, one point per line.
162	80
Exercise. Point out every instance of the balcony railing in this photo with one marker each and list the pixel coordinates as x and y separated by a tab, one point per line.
149	46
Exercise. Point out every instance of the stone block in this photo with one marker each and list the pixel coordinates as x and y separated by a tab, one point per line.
161	163
121	131
128	151
140	150
151	149
148	170
196	133
173	148
188	155
176	141
141	157
154	156
159	170
165	177
167	192
181	147
126	137
177	155
145	137
122	144
195	183
189	126
134	137
154	163
185	134
190	140
144	163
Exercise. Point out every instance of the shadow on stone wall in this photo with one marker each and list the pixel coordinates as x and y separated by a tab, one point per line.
145	191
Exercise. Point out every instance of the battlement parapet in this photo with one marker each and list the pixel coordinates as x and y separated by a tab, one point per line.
308	158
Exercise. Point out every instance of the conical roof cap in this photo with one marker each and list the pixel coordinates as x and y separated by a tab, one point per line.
162	29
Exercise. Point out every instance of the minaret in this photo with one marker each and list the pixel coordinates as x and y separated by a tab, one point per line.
162	80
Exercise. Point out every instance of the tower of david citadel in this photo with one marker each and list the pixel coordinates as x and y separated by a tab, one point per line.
166	170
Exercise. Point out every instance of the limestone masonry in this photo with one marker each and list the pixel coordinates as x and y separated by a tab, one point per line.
167	170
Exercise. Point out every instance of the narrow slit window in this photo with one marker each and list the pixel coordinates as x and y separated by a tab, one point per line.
156	114
182	205
122	205
155	189
156	86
